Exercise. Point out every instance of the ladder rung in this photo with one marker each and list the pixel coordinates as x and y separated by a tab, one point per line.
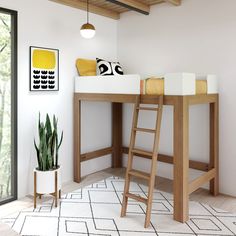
137	198
138	151
148	108
139	174
145	130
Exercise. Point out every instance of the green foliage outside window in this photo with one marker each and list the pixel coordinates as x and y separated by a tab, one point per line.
5	105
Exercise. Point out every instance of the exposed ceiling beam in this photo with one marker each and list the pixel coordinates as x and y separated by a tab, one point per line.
175	2
92	8
133	5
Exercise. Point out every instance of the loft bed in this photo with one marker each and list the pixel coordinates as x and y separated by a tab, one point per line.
182	188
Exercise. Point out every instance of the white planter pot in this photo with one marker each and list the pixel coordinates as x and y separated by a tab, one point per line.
45	181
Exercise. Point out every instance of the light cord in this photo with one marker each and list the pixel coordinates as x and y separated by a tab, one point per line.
87	11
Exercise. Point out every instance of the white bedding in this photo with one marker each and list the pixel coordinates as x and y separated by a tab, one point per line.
117	84
174	84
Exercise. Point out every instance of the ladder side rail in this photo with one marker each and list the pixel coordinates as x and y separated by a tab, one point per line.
130	157
154	163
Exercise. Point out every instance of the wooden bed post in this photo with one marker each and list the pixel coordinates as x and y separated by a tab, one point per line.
214	144
77	139
181	158
117	135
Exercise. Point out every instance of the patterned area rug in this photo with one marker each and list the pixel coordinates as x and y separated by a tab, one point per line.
95	210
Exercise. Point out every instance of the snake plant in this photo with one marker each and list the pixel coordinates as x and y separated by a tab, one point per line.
49	144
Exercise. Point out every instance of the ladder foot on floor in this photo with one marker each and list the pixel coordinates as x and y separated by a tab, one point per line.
147	224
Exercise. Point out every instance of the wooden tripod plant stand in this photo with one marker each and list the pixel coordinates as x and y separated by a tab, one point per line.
47	182
153	155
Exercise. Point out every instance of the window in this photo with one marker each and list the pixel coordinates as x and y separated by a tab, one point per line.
8	105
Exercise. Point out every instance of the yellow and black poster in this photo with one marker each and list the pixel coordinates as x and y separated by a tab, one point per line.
44	69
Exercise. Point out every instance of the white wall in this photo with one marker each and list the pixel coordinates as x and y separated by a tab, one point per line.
47	24
198	36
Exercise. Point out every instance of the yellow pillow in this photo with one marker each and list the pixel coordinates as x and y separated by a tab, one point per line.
86	67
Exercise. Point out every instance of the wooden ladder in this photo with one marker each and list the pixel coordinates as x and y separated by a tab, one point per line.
153	155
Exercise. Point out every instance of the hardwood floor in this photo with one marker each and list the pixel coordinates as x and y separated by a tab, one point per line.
5	230
223	202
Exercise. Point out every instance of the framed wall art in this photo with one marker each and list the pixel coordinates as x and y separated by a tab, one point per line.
44	69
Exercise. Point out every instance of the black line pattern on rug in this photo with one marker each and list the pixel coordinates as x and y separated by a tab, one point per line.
109	226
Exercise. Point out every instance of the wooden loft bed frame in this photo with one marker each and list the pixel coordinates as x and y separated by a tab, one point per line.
182	188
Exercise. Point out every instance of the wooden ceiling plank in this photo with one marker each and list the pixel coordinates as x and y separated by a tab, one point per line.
152	2
175	2
133	5
92	8
111	6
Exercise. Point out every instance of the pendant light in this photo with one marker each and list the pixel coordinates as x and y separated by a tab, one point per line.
87	30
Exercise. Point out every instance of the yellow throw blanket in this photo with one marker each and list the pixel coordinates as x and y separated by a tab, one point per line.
201	87
152	86
155	86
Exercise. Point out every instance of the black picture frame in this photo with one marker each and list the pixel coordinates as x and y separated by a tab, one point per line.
40	86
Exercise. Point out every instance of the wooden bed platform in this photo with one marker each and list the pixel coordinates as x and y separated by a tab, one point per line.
180	160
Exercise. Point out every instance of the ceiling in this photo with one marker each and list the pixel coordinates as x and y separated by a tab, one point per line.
113	8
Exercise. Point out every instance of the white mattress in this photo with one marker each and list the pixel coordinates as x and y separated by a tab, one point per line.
119	84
